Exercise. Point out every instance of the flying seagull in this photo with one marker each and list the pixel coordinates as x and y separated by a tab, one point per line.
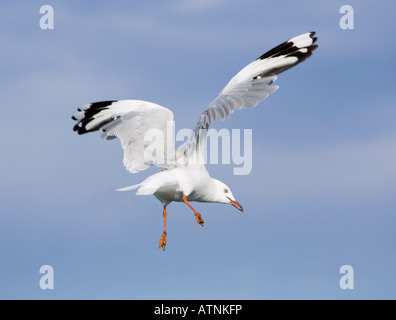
183	176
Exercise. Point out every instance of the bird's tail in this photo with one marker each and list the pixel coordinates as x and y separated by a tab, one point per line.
130	188
144	189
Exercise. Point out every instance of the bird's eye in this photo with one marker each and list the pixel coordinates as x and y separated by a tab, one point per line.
225	190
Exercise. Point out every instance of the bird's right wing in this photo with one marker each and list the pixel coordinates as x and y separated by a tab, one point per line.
145	130
251	85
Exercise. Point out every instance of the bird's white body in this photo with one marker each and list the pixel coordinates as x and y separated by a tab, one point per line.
184	177
195	183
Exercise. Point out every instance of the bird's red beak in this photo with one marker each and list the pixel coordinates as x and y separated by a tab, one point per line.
236	204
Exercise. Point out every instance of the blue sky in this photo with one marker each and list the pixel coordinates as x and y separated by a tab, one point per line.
323	187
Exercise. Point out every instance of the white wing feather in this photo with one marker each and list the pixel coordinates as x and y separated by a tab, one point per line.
251	85
142	127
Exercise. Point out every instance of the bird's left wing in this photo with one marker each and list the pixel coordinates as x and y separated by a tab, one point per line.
145	130
251	85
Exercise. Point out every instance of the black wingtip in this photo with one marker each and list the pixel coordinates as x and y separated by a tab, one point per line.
90	112
312	35
289	49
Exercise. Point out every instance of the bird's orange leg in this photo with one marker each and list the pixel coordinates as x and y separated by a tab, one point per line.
162	243
198	217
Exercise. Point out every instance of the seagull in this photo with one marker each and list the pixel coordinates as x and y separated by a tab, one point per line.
183	176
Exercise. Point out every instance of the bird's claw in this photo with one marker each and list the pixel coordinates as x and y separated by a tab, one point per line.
199	219
162	243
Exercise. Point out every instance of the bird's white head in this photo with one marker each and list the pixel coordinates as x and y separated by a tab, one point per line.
223	194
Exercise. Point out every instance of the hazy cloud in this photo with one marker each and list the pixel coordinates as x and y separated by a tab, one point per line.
198	6
351	169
